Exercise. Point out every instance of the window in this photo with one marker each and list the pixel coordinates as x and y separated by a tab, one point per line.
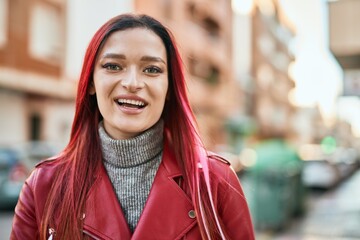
212	27
204	70
35	127
3	21
199	17
45	33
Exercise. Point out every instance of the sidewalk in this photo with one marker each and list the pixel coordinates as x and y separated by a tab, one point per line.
335	215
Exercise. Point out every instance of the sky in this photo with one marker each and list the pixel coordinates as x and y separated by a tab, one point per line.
318	75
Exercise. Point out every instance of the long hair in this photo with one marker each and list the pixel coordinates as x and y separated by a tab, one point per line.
82	156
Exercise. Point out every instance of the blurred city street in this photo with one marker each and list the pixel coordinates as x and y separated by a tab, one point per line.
274	85
333	214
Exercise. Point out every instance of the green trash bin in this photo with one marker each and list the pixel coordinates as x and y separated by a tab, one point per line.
273	185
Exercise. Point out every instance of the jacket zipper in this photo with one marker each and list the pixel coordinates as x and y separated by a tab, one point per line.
91	235
51	233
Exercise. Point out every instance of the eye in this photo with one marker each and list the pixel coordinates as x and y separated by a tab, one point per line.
153	70
112	67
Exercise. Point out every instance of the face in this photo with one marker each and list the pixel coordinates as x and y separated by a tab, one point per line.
131	82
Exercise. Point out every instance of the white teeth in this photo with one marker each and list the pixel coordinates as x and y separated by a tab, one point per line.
132	102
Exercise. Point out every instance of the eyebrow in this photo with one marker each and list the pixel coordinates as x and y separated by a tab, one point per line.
144	58
113	55
152	59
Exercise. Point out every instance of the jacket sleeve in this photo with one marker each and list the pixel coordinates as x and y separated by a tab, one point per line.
24	222
233	207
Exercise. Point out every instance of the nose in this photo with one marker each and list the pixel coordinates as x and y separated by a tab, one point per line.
131	81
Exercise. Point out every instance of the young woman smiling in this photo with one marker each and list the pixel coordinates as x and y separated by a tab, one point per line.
135	167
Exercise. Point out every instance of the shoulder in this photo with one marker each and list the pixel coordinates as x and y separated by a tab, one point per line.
217	159
219	165
230	198
32	197
47	167
42	175
222	174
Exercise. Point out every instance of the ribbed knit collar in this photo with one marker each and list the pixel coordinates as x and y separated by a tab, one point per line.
135	151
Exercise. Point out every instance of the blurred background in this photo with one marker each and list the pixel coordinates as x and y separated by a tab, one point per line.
274	84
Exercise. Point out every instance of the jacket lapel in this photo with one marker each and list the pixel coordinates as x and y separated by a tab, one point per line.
165	215
166	212
104	218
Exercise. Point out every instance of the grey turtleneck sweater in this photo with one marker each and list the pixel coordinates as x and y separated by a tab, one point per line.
131	165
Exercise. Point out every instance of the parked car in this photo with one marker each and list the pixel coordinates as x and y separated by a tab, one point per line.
346	160
16	163
34	151
12	176
325	169
320	171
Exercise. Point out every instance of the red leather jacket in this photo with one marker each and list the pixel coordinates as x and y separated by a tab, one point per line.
167	214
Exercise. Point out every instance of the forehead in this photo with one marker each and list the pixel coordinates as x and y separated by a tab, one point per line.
136	41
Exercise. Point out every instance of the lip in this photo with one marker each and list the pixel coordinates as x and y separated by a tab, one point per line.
127	110
130	97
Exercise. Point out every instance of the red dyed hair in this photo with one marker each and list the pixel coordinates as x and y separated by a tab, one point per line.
82	156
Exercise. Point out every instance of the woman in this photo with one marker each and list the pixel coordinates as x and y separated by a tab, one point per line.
135	167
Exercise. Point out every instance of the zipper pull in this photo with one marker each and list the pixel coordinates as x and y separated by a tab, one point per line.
51	233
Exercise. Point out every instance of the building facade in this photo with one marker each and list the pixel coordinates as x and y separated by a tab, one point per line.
344	38
270	65
344	35
231	70
42	44
203	31
36	100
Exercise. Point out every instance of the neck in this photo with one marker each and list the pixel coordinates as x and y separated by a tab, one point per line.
135	151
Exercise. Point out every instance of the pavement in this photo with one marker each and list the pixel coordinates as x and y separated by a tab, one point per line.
6	218
334	214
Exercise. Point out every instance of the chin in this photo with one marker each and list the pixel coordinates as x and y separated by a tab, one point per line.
133	130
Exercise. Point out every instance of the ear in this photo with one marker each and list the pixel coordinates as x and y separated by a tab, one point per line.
92	89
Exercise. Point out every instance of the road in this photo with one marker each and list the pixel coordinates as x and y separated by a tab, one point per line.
333	215
5	224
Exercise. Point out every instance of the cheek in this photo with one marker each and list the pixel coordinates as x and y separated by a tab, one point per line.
102	93
158	90
103	84
164	89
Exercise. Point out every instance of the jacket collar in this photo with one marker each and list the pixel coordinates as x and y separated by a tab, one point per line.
165	215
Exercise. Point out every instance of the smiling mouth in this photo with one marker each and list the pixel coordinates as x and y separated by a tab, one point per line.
129	103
